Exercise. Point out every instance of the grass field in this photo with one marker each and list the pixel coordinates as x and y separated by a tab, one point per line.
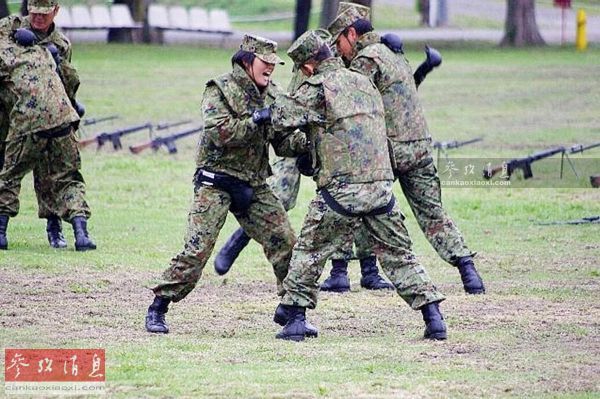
536	333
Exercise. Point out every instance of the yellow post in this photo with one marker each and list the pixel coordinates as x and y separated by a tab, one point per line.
581	37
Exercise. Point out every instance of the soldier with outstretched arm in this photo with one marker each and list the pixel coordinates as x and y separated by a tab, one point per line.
232	166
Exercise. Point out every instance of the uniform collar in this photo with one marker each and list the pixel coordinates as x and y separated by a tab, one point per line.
366	40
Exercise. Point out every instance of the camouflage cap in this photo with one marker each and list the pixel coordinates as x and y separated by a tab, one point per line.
348	13
41	6
305	47
264	49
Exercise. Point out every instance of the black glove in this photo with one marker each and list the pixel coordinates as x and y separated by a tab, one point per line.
25	37
54	52
261	116
434	58
393	42
304	164
79	108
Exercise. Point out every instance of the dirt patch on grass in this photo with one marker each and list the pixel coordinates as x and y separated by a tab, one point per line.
554	342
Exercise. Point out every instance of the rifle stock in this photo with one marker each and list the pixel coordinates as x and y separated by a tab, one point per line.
137	148
86	142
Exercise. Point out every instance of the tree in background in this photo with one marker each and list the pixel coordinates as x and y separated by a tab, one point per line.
3	9
520	27
138	12
302	17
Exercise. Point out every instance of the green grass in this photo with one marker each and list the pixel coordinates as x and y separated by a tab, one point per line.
535	334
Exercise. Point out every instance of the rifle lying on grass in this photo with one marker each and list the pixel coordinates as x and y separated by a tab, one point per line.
524	164
167	141
93	121
442	146
114	137
584	220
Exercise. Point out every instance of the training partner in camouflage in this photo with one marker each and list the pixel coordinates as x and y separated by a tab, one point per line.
43	181
343	114
30	88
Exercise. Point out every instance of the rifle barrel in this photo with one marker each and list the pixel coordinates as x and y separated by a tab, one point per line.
455	143
162	126
93	121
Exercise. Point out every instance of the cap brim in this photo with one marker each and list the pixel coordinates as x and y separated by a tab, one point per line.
271	58
40	10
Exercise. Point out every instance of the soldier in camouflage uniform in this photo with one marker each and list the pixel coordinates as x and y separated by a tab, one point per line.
40	22
232	168
285	183
407	130
343	114
41	123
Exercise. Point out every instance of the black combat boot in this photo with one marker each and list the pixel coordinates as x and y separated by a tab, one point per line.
230	251
3	226
54	230
282	315
338	281
155	319
295	328
435	327
472	282
371	279
82	240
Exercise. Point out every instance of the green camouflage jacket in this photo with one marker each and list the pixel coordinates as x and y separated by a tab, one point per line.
231	142
391	73
31	91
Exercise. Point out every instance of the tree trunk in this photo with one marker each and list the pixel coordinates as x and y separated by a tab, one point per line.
520	27
119	35
328	12
302	17
3	9
24	11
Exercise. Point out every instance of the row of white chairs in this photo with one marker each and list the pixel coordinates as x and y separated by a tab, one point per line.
194	19
97	16
100	16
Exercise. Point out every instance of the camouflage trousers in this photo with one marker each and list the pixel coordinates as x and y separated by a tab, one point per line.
418	178
266	222
42	183
58	160
324	232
